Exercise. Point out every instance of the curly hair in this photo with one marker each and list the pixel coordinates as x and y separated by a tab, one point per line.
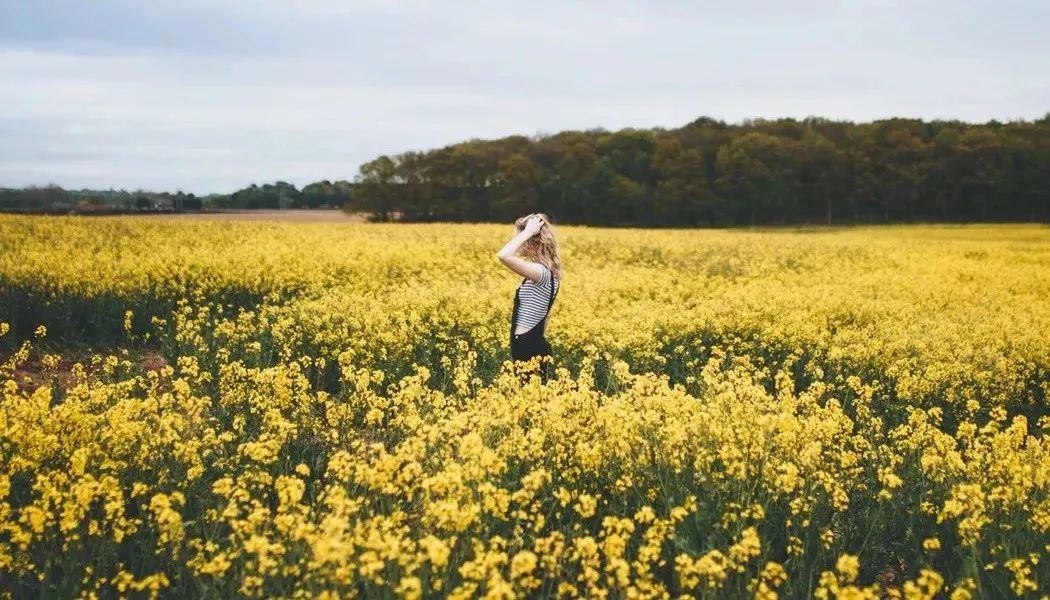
542	247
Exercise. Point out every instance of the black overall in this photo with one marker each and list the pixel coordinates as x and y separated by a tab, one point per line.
524	346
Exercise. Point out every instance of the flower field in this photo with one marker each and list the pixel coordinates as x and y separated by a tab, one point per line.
812	413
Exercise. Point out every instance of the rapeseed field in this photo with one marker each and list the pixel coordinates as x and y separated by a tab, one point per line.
808	413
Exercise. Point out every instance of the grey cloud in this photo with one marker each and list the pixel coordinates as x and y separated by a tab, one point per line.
210	96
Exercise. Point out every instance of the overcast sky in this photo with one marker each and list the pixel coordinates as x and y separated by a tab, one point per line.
212	95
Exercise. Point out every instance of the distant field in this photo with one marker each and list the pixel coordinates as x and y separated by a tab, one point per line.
293	216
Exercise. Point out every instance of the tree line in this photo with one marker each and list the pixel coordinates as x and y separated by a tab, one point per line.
321	194
53	198
712	173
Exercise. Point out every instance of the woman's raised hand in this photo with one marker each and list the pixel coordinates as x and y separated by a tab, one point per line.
533	225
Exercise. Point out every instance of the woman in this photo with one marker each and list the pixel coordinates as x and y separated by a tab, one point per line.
535	295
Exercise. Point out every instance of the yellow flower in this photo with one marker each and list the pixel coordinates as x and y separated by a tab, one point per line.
522	564
586	505
848	566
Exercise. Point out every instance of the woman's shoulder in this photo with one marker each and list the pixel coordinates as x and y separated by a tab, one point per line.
552	275
546	277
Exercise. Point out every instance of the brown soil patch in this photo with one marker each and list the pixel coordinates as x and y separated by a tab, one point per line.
31	374
891	578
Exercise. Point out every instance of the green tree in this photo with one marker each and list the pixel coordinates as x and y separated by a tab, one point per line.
375	188
518	185
751	170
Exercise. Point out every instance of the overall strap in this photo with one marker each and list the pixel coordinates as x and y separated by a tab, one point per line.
550	304
543	322
554	292
514	313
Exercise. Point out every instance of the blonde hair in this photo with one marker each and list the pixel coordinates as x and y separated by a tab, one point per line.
542	247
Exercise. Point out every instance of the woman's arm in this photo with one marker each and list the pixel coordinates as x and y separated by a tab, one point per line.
520	266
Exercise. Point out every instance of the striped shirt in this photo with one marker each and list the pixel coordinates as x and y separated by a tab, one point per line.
533	299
